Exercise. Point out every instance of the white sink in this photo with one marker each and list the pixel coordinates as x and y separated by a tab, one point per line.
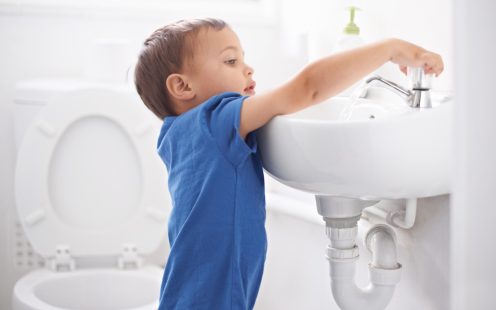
385	150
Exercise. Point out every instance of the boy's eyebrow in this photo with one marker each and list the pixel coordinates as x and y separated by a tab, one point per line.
230	47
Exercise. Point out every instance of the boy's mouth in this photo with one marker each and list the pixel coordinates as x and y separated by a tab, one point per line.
250	90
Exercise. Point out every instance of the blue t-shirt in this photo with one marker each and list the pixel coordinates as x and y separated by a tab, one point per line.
217	225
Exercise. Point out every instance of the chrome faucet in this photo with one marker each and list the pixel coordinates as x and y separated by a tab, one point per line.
418	96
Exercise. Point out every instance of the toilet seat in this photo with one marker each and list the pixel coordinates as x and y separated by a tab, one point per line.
79	133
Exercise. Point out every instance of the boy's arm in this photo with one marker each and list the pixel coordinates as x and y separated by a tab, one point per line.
329	76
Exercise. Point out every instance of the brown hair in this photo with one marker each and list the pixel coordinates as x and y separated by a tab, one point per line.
162	54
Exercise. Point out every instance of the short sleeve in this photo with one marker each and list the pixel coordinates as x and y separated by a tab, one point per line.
222	115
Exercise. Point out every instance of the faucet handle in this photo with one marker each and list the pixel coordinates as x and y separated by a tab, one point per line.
418	79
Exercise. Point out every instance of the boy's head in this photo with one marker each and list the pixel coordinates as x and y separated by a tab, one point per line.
183	64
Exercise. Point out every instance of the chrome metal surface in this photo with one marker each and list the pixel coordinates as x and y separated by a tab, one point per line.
418	79
417	97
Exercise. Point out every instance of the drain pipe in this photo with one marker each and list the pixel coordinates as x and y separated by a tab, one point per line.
403	219
341	216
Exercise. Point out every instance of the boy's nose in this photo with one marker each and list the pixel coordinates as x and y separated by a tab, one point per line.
249	70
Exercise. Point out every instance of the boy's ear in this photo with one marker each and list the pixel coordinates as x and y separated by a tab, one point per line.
179	87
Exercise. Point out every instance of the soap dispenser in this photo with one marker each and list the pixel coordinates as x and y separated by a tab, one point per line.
350	37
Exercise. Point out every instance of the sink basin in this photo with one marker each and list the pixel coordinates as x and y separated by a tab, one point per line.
372	150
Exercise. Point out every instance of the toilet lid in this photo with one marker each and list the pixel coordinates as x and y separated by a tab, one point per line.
88	176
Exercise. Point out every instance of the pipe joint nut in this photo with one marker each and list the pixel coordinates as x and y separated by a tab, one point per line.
382	276
342	233
342	255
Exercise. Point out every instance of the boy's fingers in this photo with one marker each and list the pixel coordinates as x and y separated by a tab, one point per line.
428	69
403	69
434	64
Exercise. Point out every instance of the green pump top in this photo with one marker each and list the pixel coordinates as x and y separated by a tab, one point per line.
352	28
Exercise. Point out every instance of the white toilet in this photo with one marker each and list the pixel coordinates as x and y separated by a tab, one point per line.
91	195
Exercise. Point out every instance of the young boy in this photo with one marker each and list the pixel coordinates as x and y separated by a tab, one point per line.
192	75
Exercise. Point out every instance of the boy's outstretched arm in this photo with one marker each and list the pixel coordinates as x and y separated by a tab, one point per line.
329	76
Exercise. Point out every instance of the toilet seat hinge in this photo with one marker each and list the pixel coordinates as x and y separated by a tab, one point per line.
63	260
129	258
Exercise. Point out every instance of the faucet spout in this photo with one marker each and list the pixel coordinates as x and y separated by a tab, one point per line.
399	90
415	98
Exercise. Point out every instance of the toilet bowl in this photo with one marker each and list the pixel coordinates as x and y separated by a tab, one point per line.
91	195
94	289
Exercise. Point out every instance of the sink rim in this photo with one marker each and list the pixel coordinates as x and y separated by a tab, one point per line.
398	114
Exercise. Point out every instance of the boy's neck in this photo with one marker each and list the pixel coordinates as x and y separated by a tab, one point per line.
181	107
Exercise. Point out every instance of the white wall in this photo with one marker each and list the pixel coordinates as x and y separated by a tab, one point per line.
55	45
473	211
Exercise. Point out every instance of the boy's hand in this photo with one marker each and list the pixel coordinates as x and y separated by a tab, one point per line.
406	54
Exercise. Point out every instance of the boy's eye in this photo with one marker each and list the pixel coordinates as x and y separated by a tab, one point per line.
231	61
